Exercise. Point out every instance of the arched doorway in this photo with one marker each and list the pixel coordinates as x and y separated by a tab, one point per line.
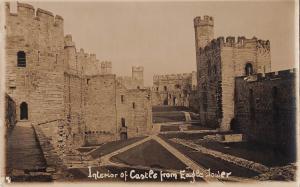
123	136
166	101
23	111
248	69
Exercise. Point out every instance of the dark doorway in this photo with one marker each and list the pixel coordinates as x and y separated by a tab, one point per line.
166	102
23	111
248	69
174	101
123	136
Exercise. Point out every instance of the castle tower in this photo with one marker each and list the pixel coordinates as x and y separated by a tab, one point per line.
106	67
204	31
138	76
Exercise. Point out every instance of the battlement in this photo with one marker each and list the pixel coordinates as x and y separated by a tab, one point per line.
205	21
25	10
270	75
137	68
241	42
106	64
172	77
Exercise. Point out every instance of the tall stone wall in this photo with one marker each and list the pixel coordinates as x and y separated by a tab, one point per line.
235	57
218	63
74	97
100	108
134	106
40	84
265	108
209	70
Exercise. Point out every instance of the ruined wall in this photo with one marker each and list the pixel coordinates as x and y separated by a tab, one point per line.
265	108
40	84
173	89
74	87
100	108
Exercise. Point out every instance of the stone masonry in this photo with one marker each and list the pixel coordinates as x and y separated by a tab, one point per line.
175	90
265	109
50	80
219	61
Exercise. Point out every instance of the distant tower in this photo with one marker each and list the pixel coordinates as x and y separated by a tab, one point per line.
138	76
106	67
204	31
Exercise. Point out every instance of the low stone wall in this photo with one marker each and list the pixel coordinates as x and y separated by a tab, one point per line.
52	156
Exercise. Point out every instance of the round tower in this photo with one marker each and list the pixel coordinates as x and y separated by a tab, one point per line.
204	31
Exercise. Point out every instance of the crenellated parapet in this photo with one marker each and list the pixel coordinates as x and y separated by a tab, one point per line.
172	77
275	75
203	21
239	42
27	11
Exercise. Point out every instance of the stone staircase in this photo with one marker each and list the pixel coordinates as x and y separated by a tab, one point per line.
24	158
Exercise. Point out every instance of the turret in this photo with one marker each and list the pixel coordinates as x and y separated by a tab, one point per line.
204	31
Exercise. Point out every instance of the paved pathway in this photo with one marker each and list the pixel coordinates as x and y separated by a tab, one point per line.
23	151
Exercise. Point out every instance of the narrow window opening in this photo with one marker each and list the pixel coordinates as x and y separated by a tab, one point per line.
21	59
23	111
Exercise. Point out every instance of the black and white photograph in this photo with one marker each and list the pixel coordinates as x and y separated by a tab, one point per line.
150	92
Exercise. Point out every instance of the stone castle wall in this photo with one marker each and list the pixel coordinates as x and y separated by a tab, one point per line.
134	106
219	61
74	98
100	108
40	84
173	89
10	112
61	84
265	108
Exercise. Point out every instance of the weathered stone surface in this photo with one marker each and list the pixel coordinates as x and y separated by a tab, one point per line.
218	63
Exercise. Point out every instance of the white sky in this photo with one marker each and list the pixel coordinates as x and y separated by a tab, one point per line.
160	35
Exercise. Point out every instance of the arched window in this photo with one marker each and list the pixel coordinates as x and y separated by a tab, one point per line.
165	88
248	69
21	59
23	111
133	105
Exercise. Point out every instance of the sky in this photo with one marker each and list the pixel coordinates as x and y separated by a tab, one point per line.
160	35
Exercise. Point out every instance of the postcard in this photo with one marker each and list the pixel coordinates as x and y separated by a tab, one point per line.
151	92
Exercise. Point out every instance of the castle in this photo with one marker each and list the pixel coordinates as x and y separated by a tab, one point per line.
237	90
219	61
50	81
175	90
